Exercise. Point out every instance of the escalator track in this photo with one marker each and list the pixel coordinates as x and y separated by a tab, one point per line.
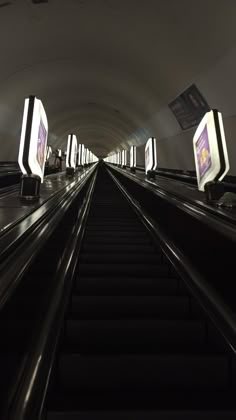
135	344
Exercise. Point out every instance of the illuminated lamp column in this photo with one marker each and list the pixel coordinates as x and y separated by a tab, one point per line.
119	159
124	159
210	154
71	155
33	147
89	157
85	157
150	158
82	155
79	156
133	158
49	153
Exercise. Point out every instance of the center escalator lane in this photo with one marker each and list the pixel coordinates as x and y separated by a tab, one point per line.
135	344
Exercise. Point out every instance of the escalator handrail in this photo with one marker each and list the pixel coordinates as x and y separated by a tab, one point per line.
17	230
14	230
229	181
20	258
215	218
208	298
29	398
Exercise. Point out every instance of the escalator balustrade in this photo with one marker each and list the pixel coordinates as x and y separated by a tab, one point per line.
135	344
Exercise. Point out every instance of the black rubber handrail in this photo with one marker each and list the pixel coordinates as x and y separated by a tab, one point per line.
19	259
229	181
18	230
213	305
215	218
27	403
5	191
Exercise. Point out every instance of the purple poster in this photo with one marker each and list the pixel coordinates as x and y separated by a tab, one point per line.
203	153
42	137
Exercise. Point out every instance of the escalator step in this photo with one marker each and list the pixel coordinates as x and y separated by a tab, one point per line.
112	239
118	247
142	415
174	401
134	343
118	307
143	372
137	258
126	286
140	236
133	270
135	336
114	227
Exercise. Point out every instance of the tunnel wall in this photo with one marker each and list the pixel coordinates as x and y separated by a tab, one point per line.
174	145
218	86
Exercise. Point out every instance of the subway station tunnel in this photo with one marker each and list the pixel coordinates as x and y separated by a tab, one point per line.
117	289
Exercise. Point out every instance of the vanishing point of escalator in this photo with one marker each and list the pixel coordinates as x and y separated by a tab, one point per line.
134	342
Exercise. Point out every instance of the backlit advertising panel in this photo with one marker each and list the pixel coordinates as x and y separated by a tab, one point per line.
150	155
71	153
33	141
133	156
210	150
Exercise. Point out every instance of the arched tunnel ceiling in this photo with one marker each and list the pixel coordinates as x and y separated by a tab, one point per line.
103	68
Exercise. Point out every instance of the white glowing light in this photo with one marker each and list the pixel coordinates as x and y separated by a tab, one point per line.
124	158
33	141
210	149
133	156
71	153
150	155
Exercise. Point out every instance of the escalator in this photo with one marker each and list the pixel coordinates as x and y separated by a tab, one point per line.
135	344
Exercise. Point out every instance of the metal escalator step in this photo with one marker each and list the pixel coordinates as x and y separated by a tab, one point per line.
119	307
124	285
118	247
144	401
135	336
109	223
132	270
143	415
117	234
119	258
108	227
143	372
113	239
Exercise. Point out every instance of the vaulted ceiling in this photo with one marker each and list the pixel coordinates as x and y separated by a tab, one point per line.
104	68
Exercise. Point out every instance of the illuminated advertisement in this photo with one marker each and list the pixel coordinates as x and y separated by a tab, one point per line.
33	141
82	154
150	155
133	157
203	153
49	152
79	155
71	154
41	145
124	157
85	156
210	150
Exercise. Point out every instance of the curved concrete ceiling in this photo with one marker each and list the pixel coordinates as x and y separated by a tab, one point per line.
104	68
